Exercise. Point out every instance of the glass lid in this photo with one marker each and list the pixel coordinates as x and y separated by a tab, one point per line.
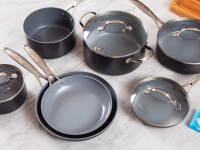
181	40
11	81
115	34
151	103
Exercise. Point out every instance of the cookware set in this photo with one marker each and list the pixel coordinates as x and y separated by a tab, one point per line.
80	105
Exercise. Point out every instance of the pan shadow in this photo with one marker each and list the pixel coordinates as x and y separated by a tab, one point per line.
190	116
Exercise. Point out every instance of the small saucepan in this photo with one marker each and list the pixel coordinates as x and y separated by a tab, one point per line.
115	42
51	31
72	105
178	42
13	91
161	102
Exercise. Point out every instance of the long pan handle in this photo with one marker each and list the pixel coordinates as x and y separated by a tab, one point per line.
146	10
40	62
74	5
23	62
192	83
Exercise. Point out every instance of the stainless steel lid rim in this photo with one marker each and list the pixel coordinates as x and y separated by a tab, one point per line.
116	12
165	79
169	22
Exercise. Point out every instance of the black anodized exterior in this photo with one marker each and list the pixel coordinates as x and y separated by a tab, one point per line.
176	65
110	65
53	50
13	104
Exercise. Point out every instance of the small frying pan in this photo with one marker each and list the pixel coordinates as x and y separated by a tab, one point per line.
161	102
178	42
73	105
82	136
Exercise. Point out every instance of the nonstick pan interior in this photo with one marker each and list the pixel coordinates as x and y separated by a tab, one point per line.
76	105
49	25
83	136
115	39
186	46
154	108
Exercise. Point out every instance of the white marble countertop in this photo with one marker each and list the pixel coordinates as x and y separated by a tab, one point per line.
21	130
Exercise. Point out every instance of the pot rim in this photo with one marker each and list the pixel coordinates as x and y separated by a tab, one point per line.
168	80
117	12
54	41
11	98
169	22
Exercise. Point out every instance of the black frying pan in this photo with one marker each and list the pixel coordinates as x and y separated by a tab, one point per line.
51	31
178	42
161	102
83	136
72	105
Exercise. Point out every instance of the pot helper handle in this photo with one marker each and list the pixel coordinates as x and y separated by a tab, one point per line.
142	59
40	62
74	5
146	10
147	91
23	62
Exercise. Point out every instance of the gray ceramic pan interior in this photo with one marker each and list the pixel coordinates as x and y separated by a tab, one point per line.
49	25
115	40
76	105
10	87
154	108
186	47
83	136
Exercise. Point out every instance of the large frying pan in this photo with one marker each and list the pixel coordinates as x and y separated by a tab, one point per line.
72	105
177	42
83	136
51	31
161	102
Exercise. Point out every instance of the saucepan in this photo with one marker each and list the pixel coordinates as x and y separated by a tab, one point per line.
178	42
72	105
115	42
13	91
51	31
161	102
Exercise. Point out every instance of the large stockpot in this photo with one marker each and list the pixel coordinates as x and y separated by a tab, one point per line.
51	31
114	42
178	42
161	102
13	91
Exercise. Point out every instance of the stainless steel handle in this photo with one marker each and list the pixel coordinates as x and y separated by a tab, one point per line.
147	91
40	62
185	29
74	5
14	75
23	62
80	21
192	83
146	10
143	59
114	21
